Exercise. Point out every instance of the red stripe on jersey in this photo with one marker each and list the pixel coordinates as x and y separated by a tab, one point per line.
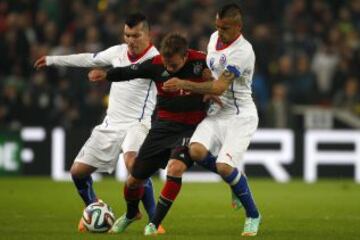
196	55
191	118
134	58
157	60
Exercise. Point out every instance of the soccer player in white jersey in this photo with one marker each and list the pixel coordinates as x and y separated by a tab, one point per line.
226	131
128	117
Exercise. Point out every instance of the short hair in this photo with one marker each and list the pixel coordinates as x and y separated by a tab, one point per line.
134	19
174	43
231	10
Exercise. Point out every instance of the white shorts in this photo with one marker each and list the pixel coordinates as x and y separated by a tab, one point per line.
226	137
107	141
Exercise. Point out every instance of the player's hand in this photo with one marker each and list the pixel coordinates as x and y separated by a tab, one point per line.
214	98
173	85
40	63
97	75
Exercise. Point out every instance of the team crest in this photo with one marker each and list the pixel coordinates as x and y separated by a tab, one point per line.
222	60
198	67
165	74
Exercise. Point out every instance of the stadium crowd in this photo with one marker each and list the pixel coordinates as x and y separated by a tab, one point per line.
308	53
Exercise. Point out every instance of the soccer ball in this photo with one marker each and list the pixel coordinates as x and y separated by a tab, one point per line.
98	217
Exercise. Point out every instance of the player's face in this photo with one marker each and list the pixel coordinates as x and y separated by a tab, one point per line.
228	29
174	63
137	38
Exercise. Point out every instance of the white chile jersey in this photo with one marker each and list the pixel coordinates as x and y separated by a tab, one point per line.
128	101
239	58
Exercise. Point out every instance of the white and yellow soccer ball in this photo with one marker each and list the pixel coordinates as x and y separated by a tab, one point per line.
98	217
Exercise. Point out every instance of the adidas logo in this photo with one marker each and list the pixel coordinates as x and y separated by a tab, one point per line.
165	74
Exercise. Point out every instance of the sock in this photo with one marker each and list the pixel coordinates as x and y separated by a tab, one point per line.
85	189
133	197
209	162
168	194
148	199
240	188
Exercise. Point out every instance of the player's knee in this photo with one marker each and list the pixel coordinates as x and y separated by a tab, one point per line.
197	152
80	170
73	171
76	172
176	168
224	169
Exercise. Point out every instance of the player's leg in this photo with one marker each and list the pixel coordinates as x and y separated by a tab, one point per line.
99	153
133	192
239	185
133	140
179	162
169	192
206	138
204	143
145	165
202	156
148	198
81	176
237	140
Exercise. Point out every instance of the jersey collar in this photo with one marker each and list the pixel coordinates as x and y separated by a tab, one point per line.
134	58
221	46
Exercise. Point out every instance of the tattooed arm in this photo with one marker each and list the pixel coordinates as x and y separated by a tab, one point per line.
216	87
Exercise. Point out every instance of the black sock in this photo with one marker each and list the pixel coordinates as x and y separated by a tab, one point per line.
162	207
133	197
167	197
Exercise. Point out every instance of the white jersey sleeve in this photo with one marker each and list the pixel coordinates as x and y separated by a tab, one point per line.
241	62
130	101
99	59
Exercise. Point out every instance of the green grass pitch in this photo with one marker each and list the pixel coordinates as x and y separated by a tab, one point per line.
38	208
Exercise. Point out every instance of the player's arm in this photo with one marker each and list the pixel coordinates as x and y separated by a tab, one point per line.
119	74
99	59
207	76
217	87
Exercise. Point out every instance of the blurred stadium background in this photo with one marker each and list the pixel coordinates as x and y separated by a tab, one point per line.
306	87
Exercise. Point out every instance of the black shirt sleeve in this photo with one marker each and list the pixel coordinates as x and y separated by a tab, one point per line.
140	70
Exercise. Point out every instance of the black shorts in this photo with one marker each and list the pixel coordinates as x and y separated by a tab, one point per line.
166	140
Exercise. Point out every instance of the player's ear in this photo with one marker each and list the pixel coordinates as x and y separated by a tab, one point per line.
240	27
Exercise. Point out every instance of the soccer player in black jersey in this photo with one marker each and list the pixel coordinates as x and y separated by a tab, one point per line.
178	114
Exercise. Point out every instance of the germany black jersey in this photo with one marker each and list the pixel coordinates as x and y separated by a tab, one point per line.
180	106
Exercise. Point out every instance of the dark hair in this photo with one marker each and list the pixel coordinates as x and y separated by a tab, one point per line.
173	43
134	19
231	10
